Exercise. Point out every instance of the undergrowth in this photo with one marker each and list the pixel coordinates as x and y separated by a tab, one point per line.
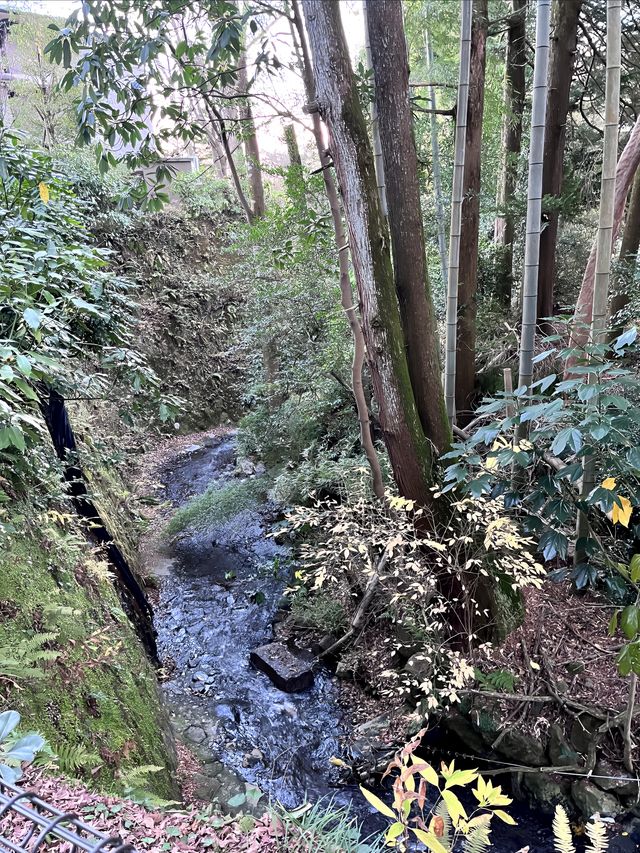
322	827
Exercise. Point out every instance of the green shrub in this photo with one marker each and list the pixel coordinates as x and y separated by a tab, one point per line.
320	612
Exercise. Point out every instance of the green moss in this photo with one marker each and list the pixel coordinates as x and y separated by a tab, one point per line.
219	503
100	696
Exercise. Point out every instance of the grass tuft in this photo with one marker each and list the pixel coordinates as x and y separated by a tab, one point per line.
219	503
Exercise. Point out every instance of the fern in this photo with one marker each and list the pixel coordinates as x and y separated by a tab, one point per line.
498	679
72	758
23	659
562	835
478	840
442	811
597	834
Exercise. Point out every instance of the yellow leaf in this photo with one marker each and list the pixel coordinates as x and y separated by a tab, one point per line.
429	840
609	483
43	189
427	772
505	817
454	807
461	777
622	510
377	803
337	762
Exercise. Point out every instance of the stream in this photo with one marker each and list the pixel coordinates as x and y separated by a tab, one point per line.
219	590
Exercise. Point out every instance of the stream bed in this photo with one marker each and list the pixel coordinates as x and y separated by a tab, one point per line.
219	590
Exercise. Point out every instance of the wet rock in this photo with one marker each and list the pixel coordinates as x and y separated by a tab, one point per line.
522	748
196	735
191	448
561	753
608	777
287	672
590	800
200	676
420	667
461	727
582	733
547	790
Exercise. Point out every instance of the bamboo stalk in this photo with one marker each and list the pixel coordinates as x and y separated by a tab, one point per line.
437	172
604	242
534	196
456	210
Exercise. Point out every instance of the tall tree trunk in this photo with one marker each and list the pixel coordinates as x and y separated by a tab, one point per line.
604	242
628	257
457	192
470	229
534	195
250	138
437	172
391	78
627	167
561	62
359	347
291	141
410	453
375	127
514	95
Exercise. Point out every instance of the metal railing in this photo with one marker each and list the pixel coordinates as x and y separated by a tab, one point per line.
42	827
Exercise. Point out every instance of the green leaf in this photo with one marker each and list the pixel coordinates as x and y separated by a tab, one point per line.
32	318
634	568
630	621
8	722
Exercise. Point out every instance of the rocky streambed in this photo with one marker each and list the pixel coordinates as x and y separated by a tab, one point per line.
220	588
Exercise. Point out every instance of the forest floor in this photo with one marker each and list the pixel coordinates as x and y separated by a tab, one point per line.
189	829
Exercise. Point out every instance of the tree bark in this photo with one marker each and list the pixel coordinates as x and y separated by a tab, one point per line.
291	142
534	198
250	139
375	126
514	95
456	210
359	352
437	172
470	228
338	101
628	258
391	77
627	167
561	62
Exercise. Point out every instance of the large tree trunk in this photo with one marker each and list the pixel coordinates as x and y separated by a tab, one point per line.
514	95
359	353
391	77
561	62
457	190
250	138
628	258
437	171
470	233
337	97
534	197
627	167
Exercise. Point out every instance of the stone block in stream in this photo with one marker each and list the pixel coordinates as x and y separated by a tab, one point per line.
287	672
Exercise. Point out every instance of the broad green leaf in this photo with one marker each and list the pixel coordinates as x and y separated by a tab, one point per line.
32	318
505	817
461	777
630	621
8	722
454	807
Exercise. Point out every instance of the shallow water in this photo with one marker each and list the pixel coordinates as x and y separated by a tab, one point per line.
219	592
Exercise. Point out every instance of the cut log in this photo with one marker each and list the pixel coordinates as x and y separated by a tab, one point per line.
287	672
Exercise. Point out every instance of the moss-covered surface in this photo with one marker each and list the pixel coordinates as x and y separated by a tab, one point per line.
97	703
